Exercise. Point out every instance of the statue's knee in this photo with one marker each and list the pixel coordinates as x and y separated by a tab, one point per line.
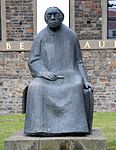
35	84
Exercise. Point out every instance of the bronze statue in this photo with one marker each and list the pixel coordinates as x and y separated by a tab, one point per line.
55	99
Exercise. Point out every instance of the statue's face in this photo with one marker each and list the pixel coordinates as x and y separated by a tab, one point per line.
53	18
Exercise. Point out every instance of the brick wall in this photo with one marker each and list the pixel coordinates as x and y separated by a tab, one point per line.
14	77
88	19
101	69
19	16
14	72
100	64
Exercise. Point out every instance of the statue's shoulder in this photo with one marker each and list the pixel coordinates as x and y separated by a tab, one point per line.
41	34
70	32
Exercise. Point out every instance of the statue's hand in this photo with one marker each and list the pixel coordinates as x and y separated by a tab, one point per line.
48	75
88	85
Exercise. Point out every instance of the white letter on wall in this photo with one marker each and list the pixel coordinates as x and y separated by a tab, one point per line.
115	44
21	46
87	46
102	44
8	46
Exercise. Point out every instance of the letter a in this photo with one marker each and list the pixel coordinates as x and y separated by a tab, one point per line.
87	46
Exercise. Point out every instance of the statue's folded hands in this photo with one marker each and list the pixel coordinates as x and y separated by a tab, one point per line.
50	76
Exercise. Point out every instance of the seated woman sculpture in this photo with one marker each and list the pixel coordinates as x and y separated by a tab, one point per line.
55	97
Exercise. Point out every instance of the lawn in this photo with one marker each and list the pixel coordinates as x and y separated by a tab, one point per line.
106	121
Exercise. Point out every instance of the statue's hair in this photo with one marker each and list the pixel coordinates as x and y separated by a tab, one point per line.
62	14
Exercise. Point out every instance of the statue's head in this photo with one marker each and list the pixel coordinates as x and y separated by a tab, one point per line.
54	17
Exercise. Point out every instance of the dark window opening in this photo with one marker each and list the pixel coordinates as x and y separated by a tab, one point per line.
114	33
111	20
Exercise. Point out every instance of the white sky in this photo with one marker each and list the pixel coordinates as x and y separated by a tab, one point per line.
42	5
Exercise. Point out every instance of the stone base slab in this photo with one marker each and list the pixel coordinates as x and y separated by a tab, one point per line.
19	141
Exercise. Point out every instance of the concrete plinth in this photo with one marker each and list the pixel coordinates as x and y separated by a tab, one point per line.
19	141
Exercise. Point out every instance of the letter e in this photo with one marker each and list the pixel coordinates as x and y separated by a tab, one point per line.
21	46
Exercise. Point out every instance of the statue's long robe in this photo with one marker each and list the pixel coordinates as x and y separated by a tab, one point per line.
55	107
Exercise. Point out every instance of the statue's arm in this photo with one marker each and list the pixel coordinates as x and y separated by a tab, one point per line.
36	63
80	64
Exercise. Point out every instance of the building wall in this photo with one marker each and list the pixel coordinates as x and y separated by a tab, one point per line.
14	72
100	64
19	20
14	77
88	19
101	69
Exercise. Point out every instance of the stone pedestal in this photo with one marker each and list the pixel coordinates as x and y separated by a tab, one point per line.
19	141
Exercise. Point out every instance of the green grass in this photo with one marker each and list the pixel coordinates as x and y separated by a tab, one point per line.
106	121
8	125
